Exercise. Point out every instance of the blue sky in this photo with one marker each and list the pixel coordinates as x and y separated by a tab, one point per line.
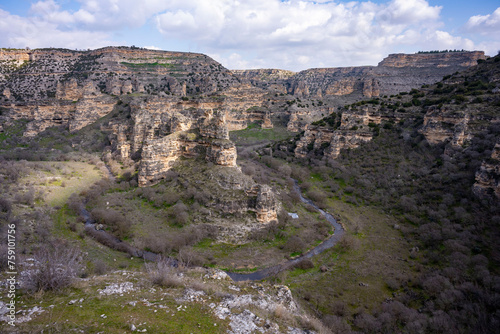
291	34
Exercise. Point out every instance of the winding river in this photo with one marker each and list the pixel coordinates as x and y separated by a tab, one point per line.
328	243
257	275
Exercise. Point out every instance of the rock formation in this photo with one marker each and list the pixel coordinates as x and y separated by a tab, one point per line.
396	73
159	106
488	176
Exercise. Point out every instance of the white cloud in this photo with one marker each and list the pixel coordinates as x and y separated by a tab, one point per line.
294	34
485	23
35	32
301	34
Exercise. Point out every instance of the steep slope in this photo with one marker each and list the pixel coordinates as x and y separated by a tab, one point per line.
430	159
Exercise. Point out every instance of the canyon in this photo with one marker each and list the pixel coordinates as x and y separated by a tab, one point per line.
178	104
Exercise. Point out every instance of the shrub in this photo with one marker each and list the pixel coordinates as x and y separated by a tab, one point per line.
110	241
294	244
347	243
305	264
116	221
100	267
162	273
5	208
57	264
188	257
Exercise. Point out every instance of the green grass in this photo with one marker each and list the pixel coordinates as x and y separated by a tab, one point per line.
254	133
63	179
161	317
370	261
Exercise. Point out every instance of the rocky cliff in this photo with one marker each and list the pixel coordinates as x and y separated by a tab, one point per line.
488	176
460	110
184	104
53	87
394	74
335	87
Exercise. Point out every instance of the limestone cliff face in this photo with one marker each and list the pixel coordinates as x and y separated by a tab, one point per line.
488	176
209	134
159	155
267	205
442	59
352	131
445	123
394	74
222	153
56	77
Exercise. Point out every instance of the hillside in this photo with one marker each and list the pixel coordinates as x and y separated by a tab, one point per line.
143	176
428	158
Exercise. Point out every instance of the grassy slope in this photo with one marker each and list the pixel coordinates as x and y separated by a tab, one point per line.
357	273
155	309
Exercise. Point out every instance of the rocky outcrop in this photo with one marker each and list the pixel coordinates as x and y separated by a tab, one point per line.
442	124
222	153
438	59
159	155
394	74
266	208
487	183
353	130
54	77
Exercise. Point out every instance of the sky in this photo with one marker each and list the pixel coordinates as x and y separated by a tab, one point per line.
244	34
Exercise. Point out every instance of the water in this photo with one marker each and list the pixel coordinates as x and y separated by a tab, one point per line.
327	244
260	274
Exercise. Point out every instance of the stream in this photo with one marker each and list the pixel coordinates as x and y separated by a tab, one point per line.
328	243
257	275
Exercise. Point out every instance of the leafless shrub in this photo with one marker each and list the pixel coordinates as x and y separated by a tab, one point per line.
280	312
72	226
57	264
305	264
248	170
294	244
158	244
336	324
313	324
117	222
179	214
316	195
5	208
100	267
188	257
338	308
3	256
110	241
25	198
170	198
347	243
75	203
162	273
285	170
198	285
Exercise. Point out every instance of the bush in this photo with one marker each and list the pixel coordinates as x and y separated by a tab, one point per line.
100	267
305	264
162	273
56	265
110	241
113	219
347	243
294	244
